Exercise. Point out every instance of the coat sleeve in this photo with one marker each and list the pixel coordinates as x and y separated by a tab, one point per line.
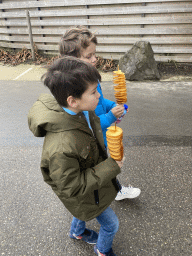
103	111
107	119
109	104
70	181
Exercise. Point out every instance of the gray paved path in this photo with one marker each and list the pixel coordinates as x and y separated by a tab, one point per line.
158	149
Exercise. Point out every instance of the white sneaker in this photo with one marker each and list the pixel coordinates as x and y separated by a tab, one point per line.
127	192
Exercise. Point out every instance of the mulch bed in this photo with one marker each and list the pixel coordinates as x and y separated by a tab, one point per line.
175	69
13	58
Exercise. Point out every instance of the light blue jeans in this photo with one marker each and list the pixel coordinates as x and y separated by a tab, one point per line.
109	227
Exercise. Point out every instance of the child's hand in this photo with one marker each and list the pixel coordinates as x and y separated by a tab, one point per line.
120	163
118	110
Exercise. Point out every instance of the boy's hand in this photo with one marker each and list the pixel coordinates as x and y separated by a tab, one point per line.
118	110
120	163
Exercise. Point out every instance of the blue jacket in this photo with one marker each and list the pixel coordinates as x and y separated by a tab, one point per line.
103	111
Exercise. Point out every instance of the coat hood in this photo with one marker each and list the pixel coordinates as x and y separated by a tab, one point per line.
46	115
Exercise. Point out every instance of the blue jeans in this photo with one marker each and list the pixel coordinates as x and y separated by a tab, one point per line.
109	227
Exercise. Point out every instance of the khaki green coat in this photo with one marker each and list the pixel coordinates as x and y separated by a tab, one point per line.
74	160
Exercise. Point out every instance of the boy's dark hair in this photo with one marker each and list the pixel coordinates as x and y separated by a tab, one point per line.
69	76
74	39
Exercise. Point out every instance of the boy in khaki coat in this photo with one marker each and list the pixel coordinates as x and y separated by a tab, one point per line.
80	42
74	160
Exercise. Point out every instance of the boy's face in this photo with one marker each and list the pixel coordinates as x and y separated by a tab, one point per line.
89	99
88	54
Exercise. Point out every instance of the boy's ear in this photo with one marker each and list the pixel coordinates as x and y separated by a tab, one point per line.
72	102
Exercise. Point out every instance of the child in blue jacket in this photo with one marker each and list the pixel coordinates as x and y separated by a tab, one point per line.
80	42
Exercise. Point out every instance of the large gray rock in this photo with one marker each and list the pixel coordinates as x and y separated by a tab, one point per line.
139	63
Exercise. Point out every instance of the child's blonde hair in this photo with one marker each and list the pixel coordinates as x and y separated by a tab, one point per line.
74	39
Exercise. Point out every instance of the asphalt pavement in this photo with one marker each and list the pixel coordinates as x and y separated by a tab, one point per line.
158	149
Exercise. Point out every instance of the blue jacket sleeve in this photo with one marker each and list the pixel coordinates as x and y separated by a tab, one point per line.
106	120
109	104
103	110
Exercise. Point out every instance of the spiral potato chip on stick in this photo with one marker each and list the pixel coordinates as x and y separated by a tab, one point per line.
114	141
120	86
